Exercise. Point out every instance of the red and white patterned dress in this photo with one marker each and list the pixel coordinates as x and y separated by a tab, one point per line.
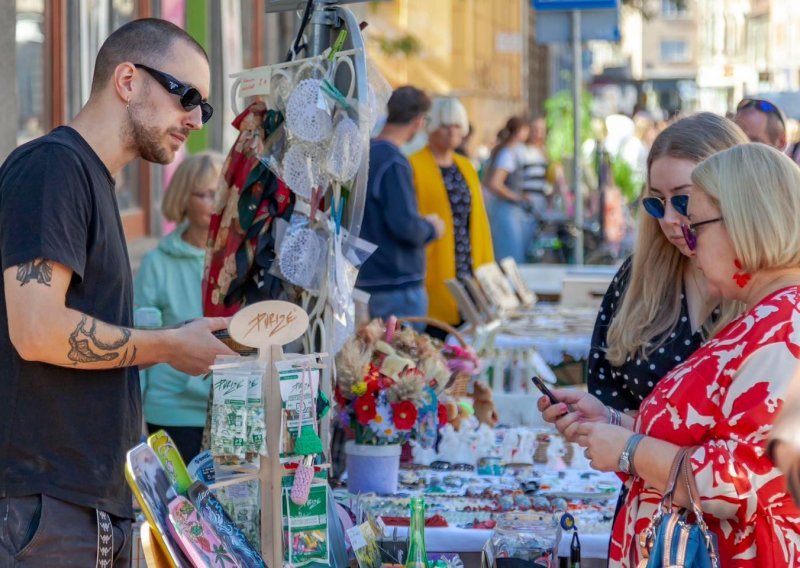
724	399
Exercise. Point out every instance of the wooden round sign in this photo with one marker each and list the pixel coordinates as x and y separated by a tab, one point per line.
268	323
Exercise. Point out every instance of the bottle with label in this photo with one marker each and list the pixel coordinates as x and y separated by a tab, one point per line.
417	556
575	551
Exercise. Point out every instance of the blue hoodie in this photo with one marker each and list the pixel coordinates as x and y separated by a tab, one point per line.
170	280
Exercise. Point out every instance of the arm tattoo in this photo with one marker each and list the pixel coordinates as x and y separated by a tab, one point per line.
86	347
39	269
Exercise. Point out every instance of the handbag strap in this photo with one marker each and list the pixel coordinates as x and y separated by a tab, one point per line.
697	508
674	472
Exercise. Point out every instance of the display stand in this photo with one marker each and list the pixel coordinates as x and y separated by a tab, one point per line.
268	326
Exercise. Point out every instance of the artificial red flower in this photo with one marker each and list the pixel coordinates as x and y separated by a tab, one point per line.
442	411
337	396
404	415
365	409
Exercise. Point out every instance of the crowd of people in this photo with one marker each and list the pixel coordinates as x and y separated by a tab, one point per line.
694	354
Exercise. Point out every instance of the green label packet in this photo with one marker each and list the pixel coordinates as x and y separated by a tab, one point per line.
305	528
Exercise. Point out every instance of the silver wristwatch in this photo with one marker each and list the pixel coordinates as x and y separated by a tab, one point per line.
626	457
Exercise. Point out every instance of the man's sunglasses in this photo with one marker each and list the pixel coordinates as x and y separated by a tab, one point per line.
190	97
656	206
764	106
690	232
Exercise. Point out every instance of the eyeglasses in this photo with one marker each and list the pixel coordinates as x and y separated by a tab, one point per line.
656	206
690	232
764	106
190	97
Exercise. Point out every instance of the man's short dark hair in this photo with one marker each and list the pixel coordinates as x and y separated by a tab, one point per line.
406	104
147	41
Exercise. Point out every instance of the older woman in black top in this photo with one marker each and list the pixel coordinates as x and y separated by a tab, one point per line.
657	310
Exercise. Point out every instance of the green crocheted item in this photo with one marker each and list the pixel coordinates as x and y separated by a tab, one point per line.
308	442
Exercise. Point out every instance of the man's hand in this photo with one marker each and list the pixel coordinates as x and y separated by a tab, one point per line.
196	347
438	225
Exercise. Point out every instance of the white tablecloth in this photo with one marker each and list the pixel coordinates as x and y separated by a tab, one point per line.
472	540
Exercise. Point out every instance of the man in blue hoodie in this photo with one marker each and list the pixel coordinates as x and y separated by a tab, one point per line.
394	275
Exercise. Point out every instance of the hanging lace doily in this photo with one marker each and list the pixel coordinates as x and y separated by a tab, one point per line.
346	149
301	258
302	171
304	117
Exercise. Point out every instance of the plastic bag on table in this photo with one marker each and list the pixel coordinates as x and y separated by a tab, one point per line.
301	252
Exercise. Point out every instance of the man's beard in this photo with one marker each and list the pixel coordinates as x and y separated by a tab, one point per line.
146	140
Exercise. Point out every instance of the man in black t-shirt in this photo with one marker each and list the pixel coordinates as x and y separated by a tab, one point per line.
69	383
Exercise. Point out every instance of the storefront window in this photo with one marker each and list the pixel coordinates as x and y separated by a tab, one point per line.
89	23
32	85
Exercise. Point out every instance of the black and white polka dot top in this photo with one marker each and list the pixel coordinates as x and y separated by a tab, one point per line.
625	387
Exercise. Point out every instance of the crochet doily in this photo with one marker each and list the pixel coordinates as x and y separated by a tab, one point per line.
301	256
346	149
302	171
304	117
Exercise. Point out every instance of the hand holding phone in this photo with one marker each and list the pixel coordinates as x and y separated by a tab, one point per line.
539	383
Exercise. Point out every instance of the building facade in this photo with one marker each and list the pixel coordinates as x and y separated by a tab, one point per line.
476	50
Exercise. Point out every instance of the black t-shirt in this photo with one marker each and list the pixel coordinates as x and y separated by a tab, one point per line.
626	386
65	432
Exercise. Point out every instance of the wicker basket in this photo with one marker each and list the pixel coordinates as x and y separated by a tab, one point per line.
459	381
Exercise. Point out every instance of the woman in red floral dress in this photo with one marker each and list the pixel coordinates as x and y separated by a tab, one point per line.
723	400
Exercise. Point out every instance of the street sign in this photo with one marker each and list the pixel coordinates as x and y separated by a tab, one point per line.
575	4
556	26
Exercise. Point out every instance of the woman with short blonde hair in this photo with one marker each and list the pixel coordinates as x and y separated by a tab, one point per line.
447	185
201	170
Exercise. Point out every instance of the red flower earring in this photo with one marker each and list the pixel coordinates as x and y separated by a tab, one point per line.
741	277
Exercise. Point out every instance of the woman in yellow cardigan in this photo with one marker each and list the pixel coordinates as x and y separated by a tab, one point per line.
447	185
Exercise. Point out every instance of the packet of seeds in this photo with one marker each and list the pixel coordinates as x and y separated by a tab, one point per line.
306	528
229	415
256	419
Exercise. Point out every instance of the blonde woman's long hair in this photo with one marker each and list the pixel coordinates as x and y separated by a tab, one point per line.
757	189
651	305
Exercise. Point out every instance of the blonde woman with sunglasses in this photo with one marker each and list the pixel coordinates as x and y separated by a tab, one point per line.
658	309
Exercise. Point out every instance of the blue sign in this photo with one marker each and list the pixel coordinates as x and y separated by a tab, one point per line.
575	4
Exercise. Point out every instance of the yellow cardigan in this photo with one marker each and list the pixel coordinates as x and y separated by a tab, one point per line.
441	255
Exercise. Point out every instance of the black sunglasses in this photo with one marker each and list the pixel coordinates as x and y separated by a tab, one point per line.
764	106
656	206
190	97
690	232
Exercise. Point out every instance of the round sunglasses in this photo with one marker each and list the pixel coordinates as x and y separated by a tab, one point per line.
189	96
656	206
690	232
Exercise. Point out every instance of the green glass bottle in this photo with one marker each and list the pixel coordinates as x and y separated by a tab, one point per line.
417	556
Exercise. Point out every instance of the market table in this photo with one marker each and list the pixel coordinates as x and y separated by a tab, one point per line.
453	539
549	340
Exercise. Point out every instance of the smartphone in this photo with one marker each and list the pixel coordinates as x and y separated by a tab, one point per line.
545	391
